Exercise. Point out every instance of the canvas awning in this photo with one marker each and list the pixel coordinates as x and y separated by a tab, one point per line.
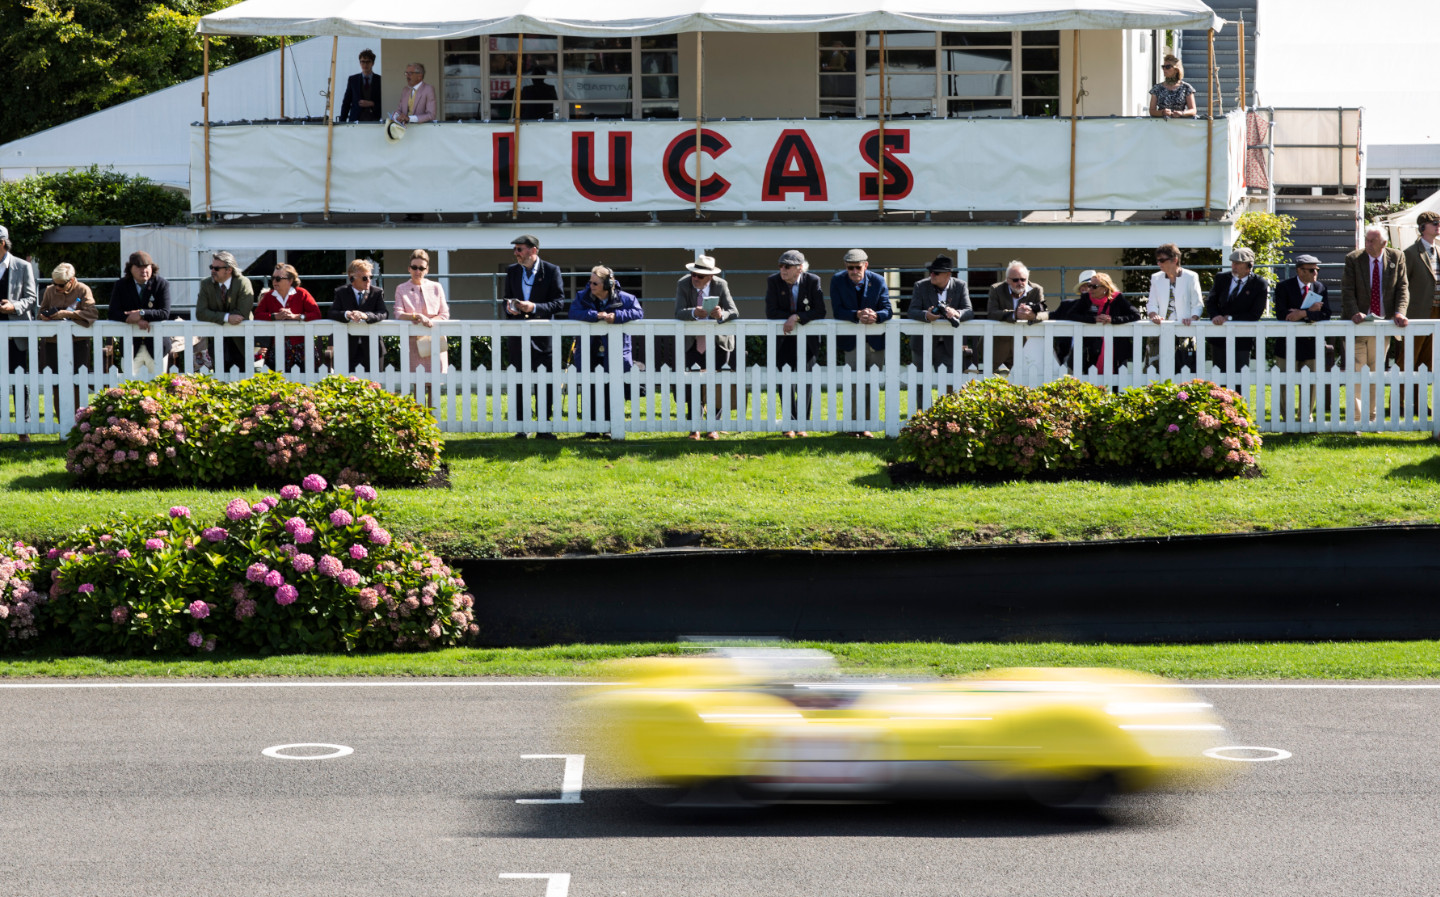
446	19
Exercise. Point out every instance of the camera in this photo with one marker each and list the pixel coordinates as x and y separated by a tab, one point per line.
939	312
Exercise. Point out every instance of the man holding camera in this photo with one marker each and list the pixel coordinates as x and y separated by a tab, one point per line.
940	297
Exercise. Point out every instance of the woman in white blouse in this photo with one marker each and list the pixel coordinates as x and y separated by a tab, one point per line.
1174	291
422	302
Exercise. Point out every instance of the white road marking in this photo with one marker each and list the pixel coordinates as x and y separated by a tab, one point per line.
1275	754
569	785
558	884
337	750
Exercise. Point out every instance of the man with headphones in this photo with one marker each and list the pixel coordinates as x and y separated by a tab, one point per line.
603	302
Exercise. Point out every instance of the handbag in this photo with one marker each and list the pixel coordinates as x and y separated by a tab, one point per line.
422	346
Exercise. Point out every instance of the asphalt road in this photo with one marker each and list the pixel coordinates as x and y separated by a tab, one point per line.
165	791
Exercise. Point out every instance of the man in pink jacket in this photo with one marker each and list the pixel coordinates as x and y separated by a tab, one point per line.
417	99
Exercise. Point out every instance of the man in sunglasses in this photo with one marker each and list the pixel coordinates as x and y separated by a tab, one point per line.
1301	299
360	302
860	296
1017	301
227	298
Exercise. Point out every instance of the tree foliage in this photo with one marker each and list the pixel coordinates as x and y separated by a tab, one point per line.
81	56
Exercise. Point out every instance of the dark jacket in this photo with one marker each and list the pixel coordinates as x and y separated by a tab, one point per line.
1246	305
626	309
153	300
373	305
1289	294
350	108
847	302
1084	310
810	305
548	294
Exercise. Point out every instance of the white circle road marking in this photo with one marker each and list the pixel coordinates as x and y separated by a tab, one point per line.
337	750
1275	754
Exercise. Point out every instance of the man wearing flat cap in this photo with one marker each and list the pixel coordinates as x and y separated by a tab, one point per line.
533	291
1237	295
794	296
1301	299
860	295
940	298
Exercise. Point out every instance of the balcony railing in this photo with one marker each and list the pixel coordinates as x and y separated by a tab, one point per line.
475	395
793	166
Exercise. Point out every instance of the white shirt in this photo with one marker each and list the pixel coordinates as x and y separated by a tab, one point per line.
1188	301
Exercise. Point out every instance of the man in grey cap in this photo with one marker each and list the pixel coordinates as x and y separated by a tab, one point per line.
794	296
18	298
1237	295
860	295
533	291
1301	300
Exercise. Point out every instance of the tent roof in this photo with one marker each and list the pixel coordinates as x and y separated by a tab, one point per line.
442	19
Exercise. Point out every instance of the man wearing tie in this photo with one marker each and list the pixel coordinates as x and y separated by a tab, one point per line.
1422	268
1301	300
417	99
534	291
1239	295
360	303
1374	283
227	298
362	92
794	296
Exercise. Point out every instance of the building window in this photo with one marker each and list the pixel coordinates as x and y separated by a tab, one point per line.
956	74
574	78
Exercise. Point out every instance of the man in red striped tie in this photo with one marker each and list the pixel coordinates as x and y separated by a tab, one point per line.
1374	288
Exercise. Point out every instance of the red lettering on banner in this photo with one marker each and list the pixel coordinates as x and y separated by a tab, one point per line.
899	180
794	167
615	188
503	159
679	181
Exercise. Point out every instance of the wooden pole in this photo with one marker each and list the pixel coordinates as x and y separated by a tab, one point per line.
515	123
1209	124
205	102
282	77
1074	105
699	99
330	121
880	180
1244	103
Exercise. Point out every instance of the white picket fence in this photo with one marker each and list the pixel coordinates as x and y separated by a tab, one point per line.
756	398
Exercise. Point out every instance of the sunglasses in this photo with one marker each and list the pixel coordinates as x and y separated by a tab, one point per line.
854	267
219	267
280	277
1160	260
362	276
1018	279
789	266
1167	67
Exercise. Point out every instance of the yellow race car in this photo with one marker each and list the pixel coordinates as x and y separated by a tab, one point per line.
740	727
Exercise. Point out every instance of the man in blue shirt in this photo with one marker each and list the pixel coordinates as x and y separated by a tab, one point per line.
859	295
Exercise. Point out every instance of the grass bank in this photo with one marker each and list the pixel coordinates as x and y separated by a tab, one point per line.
1321	660
514	498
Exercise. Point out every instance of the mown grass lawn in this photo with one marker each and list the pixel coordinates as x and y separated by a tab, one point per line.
511	497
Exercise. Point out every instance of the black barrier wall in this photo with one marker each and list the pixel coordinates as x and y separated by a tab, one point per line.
1372	583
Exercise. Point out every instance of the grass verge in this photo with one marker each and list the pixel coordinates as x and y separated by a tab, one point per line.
1319	660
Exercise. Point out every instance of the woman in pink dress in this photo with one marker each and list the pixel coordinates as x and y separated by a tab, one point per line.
422	302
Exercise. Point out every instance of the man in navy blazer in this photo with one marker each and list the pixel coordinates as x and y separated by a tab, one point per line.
533	291
1301	299
360	303
362	92
793	295
1238	295
858	294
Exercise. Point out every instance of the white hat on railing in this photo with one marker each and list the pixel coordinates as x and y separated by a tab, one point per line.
394	130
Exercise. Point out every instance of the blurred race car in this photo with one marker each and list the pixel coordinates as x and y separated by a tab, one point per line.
755	726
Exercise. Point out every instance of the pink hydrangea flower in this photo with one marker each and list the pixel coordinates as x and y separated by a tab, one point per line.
259	507
349	578
314	483
369	599
106	537
179	511
366	493
286	595
119	614
274	579
237	591
290	493
269	501
256	572
304	536
195	639
368	522
303	563
294	525
214	533
1173	428
358	553
238	509
244	609
154	544
341	517
53	553
86	588
330	566
380	536
1183	396
209	644
123	553
199	610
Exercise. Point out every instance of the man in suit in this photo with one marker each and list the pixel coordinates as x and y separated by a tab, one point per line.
533	291
1236	295
1015	300
417	99
18	299
1422	270
860	295
360	303
1374	283
227	299
362	92
1301	300
701	287
141	297
794	296
940	297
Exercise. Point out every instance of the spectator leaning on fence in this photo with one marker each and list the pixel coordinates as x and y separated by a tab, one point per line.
859	295
287	300
18	297
940	298
227	299
1237	295
1301	300
702	295
533	291
360	302
1174	289
602	301
140	297
67	300
1099	302
422	302
1015	300
1422	270
1374	287
793	295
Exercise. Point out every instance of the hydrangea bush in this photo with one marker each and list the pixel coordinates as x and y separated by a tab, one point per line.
19	601
311	569
994	428
197	430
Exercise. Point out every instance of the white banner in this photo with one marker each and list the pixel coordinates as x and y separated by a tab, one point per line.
753	166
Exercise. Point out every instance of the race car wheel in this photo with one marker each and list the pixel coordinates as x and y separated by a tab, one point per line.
705	794
1082	795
